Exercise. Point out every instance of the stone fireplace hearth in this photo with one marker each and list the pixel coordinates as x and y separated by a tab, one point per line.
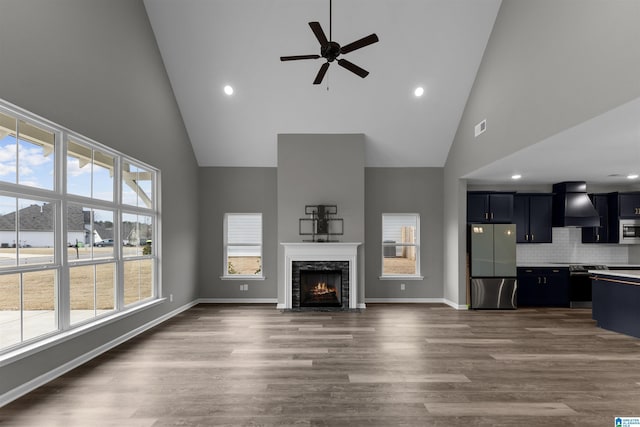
320	275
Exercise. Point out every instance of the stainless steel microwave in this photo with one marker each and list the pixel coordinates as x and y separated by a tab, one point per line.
630	231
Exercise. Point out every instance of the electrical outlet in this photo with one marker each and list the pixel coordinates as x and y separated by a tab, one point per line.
402	286
170	297
246	287
242	287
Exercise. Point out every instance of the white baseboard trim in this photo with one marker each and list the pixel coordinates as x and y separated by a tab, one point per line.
455	305
405	300
281	306
237	301
41	380
361	305
417	301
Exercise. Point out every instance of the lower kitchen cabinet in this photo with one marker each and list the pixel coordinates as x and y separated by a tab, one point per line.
543	287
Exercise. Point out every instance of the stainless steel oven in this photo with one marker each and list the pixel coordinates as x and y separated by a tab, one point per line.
630	231
580	284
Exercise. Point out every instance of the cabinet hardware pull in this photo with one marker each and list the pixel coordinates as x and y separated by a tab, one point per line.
533	237
598	238
491	215
545	280
486	215
538	280
526	237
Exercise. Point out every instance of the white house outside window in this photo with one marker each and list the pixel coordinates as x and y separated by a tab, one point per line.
243	245
401	246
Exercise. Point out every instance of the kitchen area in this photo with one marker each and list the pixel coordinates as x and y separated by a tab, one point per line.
562	246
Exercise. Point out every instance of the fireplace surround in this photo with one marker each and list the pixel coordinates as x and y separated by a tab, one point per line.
320	257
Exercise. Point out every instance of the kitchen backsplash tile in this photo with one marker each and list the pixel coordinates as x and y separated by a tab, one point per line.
567	247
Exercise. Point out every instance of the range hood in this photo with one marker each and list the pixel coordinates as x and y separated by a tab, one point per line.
572	206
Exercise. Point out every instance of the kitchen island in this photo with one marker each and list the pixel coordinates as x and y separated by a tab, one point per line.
616	300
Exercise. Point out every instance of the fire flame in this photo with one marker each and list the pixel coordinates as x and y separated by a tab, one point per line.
322	289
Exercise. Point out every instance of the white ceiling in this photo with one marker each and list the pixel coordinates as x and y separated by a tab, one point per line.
437	44
206	44
603	150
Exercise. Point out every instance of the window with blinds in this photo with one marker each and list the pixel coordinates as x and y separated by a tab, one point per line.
243	245
400	245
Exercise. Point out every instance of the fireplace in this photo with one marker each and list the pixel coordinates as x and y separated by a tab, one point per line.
336	258
320	284
320	288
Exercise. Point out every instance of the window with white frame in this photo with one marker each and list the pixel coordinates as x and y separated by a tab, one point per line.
400	245
243	245
78	226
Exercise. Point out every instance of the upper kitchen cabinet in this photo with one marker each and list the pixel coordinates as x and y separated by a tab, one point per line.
532	215
629	205
484	207
600	234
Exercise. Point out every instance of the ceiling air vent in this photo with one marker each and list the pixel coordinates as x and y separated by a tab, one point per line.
481	127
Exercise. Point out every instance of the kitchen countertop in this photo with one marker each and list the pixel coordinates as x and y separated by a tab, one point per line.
567	264
545	265
627	274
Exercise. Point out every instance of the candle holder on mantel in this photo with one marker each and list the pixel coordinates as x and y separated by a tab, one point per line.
321	225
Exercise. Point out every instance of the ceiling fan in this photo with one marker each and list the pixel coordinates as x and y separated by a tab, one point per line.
330	50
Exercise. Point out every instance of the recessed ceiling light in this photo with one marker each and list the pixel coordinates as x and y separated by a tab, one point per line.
632	176
516	176
228	90
419	91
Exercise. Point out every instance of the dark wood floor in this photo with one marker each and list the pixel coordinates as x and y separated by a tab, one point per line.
390	365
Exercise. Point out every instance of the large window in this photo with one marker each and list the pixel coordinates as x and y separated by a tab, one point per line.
400	245
243	245
78	237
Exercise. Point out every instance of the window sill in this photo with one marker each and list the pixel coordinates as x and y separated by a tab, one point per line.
239	277
60	337
401	277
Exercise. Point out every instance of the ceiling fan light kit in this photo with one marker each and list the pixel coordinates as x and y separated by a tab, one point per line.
330	50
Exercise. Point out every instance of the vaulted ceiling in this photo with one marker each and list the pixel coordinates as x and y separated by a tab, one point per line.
434	44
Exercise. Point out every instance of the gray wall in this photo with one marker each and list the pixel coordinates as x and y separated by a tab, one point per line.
321	169
553	62
404	190
236	190
94	67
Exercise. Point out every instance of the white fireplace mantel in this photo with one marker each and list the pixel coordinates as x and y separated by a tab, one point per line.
326	251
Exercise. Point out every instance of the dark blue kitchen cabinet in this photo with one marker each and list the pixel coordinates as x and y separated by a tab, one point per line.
532	215
543	287
600	234
629	205
489	207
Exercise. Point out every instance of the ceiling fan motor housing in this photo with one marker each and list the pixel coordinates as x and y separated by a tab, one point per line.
330	51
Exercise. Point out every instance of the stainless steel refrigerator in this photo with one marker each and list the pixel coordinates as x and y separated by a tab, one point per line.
493	266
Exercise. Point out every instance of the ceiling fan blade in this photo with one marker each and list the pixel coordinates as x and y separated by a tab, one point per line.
365	41
317	30
296	57
321	73
353	68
